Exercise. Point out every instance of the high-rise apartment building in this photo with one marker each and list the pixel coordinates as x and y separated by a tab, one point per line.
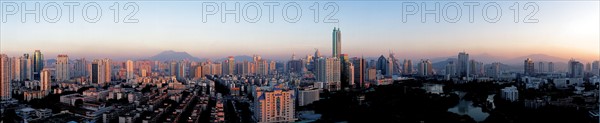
26	67
550	67
100	71
462	66
575	69
359	71
81	68
425	68
262	68
529	67
541	67
328	71
129	67
45	81
62	68
596	68
5	84
407	67
274	104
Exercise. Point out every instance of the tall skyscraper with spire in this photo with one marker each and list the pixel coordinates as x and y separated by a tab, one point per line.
337	42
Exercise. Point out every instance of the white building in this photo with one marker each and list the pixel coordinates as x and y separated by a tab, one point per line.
434	88
563	83
308	96
510	93
533	82
29	114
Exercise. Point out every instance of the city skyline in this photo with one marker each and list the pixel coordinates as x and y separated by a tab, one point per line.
399	61
560	24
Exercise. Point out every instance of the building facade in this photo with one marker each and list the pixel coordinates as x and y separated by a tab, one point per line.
62	68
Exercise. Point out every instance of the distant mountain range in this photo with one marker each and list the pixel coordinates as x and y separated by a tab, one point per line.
438	63
237	58
172	55
507	63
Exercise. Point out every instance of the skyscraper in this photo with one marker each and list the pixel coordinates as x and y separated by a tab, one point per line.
425	68
206	68
596	68
5	87
216	69
328	71
274	104
100	72
394	64
107	69
45	81
129	68
371	74
407	67
295	66
173	68
81	68
550	67
337	42
27	67
262	68
62	68
575	69
181	70
16	69
230	65
476	68
493	70
383	65
272	67
198	72
541	67
528	66
359	71
463	65
347	71
450	69
588	67
38	64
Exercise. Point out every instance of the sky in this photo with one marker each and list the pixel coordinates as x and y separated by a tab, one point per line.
566	29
